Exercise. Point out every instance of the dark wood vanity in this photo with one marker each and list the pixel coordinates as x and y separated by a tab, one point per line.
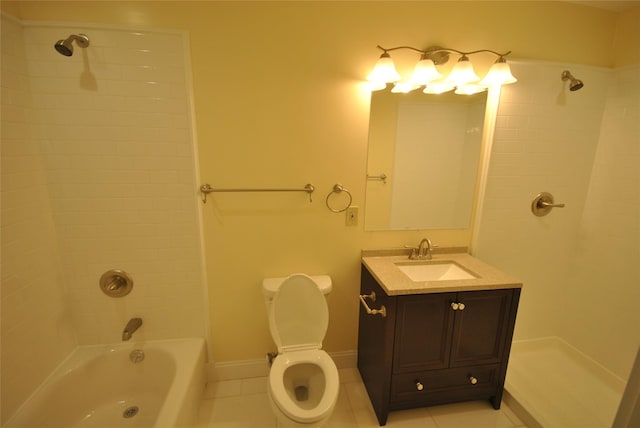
434	346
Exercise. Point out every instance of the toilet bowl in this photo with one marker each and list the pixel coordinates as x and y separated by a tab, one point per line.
303	381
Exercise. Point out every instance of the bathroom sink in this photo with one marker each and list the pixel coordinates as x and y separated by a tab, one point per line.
434	271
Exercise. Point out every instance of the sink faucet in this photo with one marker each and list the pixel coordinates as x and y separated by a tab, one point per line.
131	327
423	252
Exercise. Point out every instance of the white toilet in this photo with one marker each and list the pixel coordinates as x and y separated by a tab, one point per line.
303	381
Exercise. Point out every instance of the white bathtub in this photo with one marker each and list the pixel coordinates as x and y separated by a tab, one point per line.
97	385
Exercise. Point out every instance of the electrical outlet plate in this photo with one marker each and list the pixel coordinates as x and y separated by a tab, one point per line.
351	216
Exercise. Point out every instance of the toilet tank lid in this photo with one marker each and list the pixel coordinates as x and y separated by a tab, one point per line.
270	285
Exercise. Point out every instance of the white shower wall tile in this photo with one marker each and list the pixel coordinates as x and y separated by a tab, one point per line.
37	331
545	140
115	122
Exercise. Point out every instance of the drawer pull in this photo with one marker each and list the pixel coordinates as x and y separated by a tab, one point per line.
382	311
419	385
473	380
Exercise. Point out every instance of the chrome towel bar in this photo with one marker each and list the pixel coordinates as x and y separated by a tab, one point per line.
205	189
382	177
382	311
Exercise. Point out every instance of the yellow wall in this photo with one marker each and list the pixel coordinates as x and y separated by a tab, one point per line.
279	102
627	38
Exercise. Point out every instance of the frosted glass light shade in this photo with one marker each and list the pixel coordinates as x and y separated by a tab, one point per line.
499	74
404	87
384	71
438	87
376	86
425	72
470	89
462	73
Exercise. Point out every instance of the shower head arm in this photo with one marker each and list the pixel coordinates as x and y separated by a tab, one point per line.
82	40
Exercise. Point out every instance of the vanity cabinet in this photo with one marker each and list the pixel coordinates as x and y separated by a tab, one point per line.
434	348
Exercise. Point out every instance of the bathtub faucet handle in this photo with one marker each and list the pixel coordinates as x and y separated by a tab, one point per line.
131	327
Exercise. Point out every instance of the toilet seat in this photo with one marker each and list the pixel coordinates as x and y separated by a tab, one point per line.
298	317
278	390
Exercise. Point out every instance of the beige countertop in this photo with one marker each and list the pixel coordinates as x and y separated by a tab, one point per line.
395	282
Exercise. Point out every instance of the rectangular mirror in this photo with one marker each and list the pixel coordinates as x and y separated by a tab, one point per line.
424	152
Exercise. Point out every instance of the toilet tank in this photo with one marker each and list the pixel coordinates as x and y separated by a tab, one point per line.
271	285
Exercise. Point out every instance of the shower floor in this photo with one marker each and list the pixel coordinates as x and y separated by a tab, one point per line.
550	384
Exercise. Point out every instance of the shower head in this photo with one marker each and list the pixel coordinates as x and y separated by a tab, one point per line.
574	84
65	47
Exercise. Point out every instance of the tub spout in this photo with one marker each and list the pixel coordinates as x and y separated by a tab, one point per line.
131	327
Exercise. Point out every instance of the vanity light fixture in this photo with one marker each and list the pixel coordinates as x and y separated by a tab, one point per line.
462	77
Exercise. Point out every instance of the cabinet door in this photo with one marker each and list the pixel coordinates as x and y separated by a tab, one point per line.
424	325
481	327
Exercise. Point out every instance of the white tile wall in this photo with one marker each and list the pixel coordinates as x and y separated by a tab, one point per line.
545	140
582	147
99	174
37	330
608	244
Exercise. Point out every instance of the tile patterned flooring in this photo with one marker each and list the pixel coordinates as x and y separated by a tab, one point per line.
244	403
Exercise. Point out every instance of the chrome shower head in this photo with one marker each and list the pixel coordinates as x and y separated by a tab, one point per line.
574	84
65	47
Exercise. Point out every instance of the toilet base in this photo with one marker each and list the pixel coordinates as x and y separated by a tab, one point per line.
284	422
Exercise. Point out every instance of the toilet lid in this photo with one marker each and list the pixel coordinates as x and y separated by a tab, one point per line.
299	316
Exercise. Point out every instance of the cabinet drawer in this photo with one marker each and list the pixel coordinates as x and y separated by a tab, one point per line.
434	386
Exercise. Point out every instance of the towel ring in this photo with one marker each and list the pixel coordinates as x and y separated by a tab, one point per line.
338	188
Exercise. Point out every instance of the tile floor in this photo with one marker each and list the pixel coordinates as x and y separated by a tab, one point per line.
244	404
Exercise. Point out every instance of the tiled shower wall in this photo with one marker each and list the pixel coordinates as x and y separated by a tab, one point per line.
583	148
109	136
605	276
37	326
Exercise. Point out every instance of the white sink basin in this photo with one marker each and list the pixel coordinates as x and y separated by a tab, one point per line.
434	271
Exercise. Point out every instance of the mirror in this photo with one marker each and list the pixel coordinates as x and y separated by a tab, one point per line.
424	152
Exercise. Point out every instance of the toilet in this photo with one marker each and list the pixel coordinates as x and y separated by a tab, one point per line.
303	381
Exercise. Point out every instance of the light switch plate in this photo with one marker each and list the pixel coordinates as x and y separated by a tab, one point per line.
352	216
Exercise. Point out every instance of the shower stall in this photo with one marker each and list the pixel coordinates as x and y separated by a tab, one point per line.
98	173
577	333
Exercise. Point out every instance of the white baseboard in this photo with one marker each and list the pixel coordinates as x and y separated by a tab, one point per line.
243	369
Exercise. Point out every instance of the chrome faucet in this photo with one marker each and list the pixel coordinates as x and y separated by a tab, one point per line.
423	251
131	327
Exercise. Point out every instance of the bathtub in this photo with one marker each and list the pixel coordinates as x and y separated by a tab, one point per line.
100	386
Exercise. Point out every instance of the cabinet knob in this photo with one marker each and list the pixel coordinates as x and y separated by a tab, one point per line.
419	385
456	306
473	380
